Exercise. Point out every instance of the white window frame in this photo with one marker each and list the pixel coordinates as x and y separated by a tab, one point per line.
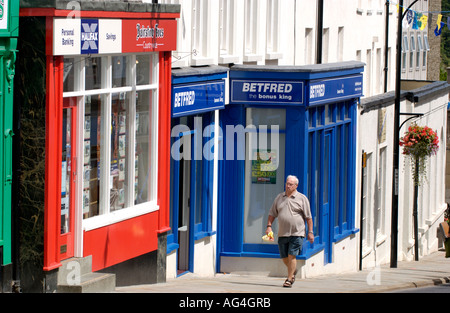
412	52
252	31
419	50
405	50
202	32
227	32
106	217
425	50
273	30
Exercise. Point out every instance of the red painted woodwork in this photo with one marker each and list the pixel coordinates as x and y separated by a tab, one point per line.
122	241
165	75
53	155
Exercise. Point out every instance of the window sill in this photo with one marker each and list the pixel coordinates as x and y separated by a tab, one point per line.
203	234
274	55
200	61
227	59
252	58
119	216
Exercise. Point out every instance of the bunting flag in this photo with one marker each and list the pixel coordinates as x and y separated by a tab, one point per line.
438	22
420	20
439	25
408	19
415	21
438	29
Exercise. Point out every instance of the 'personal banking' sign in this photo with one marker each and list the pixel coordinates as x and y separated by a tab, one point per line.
267	92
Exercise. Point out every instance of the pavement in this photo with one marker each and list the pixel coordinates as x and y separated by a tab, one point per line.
433	269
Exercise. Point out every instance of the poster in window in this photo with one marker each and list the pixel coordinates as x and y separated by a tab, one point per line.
87	151
122	146
121	169
86	176
85	201
264	166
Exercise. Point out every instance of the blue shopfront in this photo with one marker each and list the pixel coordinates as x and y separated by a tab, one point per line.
288	121
198	94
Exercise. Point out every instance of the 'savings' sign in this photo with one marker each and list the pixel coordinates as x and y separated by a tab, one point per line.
104	36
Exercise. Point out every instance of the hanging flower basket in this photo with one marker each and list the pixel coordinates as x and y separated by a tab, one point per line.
419	143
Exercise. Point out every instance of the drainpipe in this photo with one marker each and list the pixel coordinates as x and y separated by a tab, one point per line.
319	31
386	48
361	225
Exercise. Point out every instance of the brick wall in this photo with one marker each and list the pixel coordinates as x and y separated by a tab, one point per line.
434	55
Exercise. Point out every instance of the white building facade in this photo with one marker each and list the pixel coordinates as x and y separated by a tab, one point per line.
221	33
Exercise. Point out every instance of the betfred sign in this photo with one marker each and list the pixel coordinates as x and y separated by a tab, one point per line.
105	36
267	92
149	35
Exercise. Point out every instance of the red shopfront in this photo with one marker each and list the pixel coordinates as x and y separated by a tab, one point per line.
107	133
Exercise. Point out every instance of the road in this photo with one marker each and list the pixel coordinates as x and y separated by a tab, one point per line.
444	288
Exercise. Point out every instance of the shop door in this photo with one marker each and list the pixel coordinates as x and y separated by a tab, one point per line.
186	204
68	178
327	195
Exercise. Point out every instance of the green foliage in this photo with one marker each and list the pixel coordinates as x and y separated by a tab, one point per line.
30	93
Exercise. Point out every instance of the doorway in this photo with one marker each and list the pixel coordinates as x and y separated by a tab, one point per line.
184	200
68	178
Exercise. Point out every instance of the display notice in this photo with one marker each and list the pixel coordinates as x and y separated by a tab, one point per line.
264	167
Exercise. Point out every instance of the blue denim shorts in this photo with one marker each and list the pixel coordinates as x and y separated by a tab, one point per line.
290	245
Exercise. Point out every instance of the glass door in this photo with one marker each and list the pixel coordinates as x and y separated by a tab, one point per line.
68	178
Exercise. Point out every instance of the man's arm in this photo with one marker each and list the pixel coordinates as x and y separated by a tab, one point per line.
269	224
310	237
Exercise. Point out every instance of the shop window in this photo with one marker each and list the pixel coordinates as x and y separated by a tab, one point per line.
329	163
264	169
118	95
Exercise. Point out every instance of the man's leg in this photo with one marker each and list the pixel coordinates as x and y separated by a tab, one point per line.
291	263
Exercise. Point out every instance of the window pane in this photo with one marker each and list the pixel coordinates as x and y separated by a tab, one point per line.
326	168
119	156
198	191
145	69
338	170
264	171
316	187
66	172
345	168
143	168
93	70
92	138
119	71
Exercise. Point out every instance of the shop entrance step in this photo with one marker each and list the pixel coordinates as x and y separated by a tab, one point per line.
76	276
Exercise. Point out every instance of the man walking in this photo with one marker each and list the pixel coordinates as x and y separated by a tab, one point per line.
292	210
